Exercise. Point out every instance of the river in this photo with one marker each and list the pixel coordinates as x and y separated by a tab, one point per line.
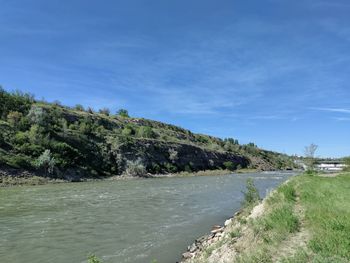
120	221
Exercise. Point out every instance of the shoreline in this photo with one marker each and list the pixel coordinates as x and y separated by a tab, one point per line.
17	177
290	224
219	232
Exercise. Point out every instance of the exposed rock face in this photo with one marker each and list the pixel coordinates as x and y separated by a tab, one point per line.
156	152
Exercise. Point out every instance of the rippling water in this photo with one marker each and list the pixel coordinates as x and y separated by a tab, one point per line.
119	221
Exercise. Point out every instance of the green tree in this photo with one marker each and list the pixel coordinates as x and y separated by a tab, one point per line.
14	118
123	113
46	161
251	195
104	111
309	152
347	163
145	132
230	165
38	116
135	168
128	130
93	259
79	107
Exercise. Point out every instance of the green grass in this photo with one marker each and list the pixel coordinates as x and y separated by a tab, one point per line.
325	202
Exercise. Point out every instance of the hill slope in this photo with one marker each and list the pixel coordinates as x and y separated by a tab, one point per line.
59	141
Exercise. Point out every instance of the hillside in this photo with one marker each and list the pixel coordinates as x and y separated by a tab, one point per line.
53	140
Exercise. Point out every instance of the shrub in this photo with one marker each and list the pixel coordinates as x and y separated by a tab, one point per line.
19	161
251	196
79	107
173	155
90	110
38	116
93	259
128	130
14	118
188	168
155	168
2	139
230	165
146	132
123	113
170	168
347	163
135	168
104	111
46	161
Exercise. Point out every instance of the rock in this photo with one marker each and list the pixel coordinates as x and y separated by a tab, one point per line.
228	221
219	234
192	248
217	230
187	255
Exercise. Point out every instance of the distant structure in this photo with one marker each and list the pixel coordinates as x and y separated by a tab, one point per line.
331	165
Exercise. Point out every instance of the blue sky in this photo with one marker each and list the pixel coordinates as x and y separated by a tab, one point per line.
274	72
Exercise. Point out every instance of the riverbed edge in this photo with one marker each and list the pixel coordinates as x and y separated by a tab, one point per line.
20	177
202	244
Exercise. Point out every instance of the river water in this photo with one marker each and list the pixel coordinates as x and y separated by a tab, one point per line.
120	221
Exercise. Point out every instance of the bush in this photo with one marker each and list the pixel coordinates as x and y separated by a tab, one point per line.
230	165
93	259
38	116
251	196
128	130
347	163
170	168
14	118
173	155
155	168
135	168
79	107
19	161
123	113
104	111
188	168
146	132
46	161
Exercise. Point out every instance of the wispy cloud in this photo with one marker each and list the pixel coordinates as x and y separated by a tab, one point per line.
338	110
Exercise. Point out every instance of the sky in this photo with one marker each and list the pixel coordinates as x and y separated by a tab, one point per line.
272	72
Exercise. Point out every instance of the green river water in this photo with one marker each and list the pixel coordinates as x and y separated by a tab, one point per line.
120	221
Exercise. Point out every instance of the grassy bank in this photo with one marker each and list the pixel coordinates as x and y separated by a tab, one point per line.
305	220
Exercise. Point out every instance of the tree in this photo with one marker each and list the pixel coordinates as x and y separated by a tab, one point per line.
46	161
347	163
251	196
173	155
90	110
123	113
128	130
79	107
230	165
309	152
145	132
37	115
14	117
135	168
105	111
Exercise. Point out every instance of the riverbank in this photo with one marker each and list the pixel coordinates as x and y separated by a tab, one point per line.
305	219
16	177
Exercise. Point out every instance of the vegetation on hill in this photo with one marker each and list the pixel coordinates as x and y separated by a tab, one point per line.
55	140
